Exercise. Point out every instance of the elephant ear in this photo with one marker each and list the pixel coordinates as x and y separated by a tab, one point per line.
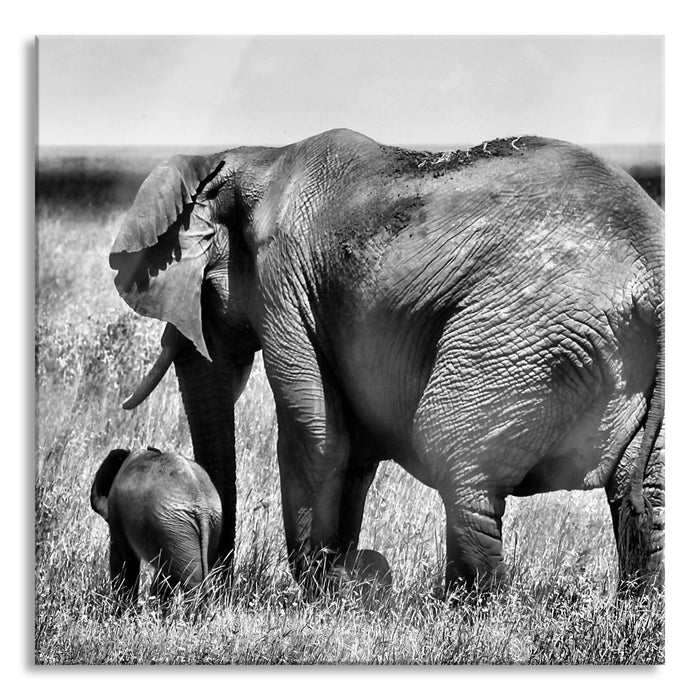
161	251
104	479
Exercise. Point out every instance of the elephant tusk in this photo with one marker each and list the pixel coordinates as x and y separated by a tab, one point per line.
151	380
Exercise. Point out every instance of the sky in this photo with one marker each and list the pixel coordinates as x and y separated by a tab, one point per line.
403	90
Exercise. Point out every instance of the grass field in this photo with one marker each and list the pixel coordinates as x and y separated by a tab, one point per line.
559	606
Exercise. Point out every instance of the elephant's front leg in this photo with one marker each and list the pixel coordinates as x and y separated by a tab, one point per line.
209	392
323	493
473	534
312	481
124	568
323	503
358	478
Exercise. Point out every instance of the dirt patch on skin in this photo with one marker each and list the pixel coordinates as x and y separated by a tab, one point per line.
442	162
399	216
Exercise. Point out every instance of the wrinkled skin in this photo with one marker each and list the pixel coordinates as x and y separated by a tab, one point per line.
163	509
491	319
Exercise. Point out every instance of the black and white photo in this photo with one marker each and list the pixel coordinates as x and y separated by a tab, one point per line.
350	350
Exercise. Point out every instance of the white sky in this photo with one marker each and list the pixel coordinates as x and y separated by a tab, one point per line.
274	90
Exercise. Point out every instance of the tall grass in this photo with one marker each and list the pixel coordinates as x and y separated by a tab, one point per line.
559	606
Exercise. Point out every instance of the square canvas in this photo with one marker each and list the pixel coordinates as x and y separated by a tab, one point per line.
349	350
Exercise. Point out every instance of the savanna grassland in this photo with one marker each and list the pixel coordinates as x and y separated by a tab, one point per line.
559	606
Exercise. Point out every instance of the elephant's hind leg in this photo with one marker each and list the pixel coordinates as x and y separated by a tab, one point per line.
182	552
162	587
365	567
639	523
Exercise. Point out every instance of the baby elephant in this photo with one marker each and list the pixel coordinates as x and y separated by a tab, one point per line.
162	508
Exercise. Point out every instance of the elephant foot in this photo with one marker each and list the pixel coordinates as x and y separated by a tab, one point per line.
362	573
365	565
462	595
473	591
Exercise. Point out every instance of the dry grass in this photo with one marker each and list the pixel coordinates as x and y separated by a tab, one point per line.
559	606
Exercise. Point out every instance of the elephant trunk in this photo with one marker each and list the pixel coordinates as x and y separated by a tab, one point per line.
208	393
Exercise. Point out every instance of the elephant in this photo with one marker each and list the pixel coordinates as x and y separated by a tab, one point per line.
164	509
492	319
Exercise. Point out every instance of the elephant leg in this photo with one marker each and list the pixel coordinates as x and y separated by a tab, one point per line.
364	566
313	447
163	588
209	392
124	569
297	514
158	585
358	478
473	535
615	505
638	523
618	486
310	509
322	527
184	554
166	576
653	490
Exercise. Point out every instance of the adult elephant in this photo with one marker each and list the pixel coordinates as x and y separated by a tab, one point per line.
491	319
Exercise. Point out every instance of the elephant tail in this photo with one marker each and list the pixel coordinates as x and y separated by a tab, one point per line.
642	515
203	525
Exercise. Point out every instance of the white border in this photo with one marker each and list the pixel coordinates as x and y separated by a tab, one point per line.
26	19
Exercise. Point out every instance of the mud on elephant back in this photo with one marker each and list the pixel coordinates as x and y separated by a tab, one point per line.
491	319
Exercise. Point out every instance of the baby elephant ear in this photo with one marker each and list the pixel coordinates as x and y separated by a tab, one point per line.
104	479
